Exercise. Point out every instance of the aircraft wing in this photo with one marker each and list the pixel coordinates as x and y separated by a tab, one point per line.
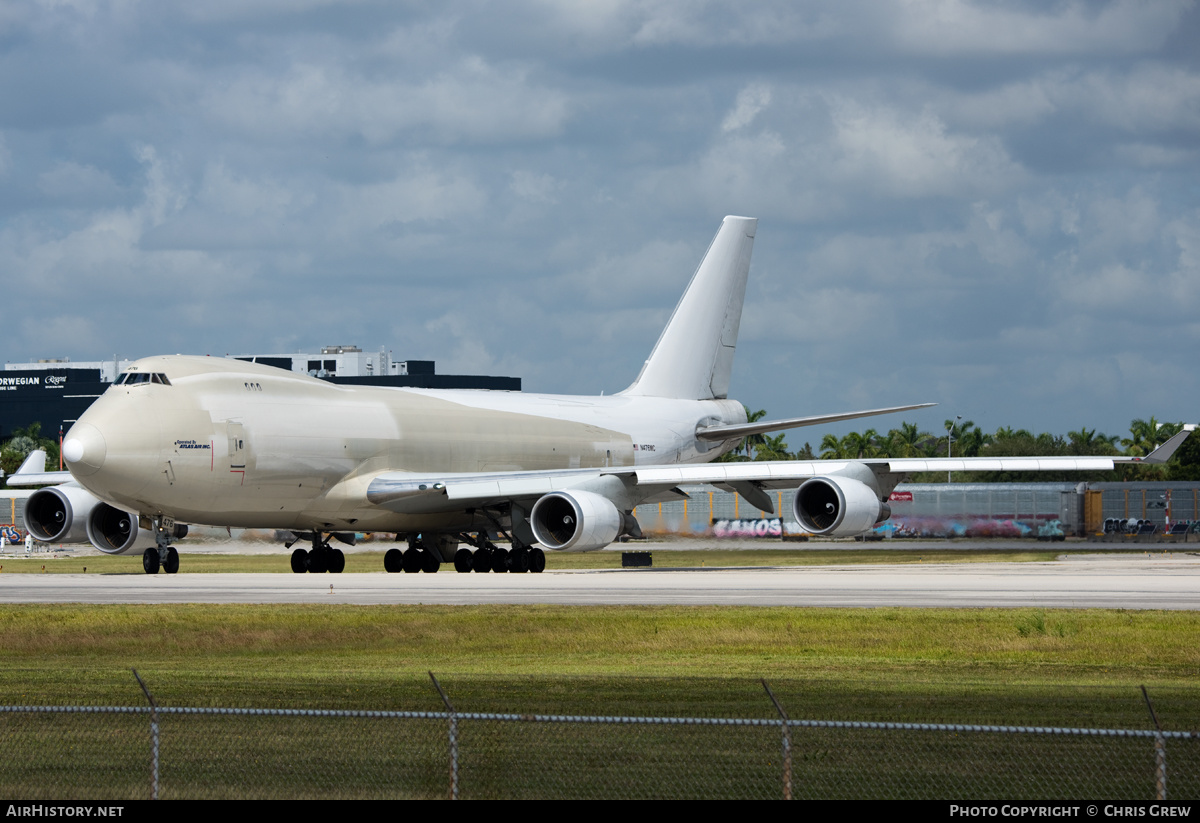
33	472
834	497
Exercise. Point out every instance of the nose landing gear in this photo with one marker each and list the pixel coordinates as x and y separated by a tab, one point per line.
163	555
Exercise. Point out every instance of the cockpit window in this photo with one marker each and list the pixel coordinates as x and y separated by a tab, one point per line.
134	378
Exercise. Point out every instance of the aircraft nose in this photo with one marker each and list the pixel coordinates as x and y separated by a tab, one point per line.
84	449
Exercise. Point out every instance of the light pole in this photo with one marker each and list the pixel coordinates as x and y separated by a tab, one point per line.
950	441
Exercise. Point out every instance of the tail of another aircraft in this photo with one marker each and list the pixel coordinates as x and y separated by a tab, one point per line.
693	359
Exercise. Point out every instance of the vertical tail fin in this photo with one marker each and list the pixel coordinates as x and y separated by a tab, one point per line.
693	359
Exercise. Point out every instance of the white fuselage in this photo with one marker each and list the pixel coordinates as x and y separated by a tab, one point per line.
228	443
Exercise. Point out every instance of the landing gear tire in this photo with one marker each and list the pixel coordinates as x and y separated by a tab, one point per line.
300	561
412	560
464	561
171	564
150	561
337	561
318	563
519	561
500	561
393	561
430	562
537	560
481	560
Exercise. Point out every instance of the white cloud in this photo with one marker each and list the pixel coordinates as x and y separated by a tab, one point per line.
959	27
470	101
914	156
750	101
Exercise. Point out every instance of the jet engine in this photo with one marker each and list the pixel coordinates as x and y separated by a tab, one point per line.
575	521
113	531
59	514
838	506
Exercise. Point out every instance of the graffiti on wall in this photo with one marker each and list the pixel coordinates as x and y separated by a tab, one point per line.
764	527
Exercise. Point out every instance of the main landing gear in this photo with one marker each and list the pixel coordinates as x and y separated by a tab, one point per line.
488	557
318	560
416	558
163	555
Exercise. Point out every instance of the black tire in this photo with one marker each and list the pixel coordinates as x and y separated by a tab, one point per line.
393	561
150	561
500	560
300	561
481	561
518	561
537	560
464	561
337	561
430	561
318	561
171	564
412	560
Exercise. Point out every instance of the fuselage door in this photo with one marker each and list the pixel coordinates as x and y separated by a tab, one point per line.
237	444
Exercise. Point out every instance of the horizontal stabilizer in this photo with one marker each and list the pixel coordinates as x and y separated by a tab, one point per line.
1163	453
713	433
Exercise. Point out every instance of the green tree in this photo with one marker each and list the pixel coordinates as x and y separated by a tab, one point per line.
21	442
772	448
909	441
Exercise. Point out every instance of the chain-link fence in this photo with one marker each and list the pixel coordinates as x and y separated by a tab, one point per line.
134	752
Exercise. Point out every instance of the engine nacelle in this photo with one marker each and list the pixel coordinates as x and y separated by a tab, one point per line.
578	521
113	531
838	506
59	514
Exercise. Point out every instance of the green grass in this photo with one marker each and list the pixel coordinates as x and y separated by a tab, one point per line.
953	665
977	666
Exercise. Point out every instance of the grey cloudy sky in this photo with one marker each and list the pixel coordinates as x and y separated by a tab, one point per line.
991	206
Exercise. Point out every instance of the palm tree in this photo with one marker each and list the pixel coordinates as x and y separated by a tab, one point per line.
832	448
1146	434
753	441
772	448
907	441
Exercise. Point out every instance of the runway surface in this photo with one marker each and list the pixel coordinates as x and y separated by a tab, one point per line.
1158	581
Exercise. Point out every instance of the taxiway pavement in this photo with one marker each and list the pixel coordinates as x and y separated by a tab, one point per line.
1133	581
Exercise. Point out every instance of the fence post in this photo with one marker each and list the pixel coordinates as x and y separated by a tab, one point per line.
153	737
1160	753
787	743
453	738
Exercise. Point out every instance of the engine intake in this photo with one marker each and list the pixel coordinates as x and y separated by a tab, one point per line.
575	521
59	514
838	507
113	531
